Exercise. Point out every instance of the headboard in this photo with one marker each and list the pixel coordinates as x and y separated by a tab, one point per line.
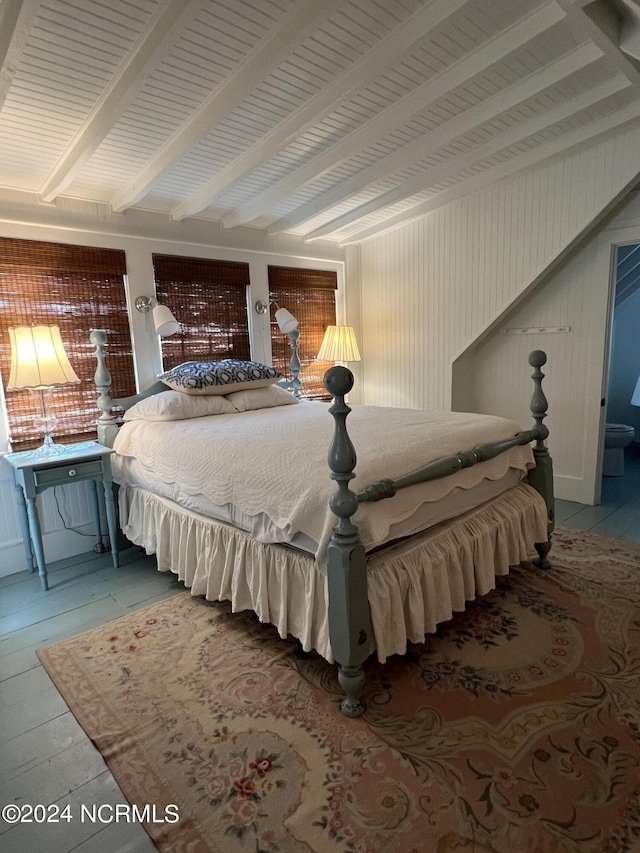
107	424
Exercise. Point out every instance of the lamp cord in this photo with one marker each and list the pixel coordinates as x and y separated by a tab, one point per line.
97	548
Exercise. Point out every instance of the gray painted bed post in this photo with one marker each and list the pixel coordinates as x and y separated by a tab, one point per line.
541	477
349	619
107	425
294	362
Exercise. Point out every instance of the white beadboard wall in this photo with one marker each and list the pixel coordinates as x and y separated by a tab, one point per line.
576	295
74	504
500	373
435	288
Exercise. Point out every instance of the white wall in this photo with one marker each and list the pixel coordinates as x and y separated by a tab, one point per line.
140	235
573	385
579	294
435	288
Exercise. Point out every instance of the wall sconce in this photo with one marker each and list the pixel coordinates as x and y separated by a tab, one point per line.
286	321
38	363
339	344
163	320
288	325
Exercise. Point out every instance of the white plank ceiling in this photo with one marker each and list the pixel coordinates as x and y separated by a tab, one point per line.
332	119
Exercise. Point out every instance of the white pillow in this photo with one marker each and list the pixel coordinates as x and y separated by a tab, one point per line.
174	406
260	398
206	378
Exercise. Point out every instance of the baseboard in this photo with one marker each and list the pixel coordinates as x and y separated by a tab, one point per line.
574	489
13	559
57	544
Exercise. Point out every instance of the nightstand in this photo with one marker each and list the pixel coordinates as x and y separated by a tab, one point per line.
33	474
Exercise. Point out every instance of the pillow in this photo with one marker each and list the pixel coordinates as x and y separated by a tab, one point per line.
219	377
260	398
174	406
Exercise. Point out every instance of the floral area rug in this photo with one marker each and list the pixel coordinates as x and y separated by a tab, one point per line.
515	728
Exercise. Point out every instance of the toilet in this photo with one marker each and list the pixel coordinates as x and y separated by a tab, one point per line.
617	437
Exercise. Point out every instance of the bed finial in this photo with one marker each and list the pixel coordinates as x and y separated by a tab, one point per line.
541	477
107	427
349	618
539	403
342	455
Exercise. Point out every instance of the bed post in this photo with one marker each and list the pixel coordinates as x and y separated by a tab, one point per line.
541	477
349	619
107	426
294	362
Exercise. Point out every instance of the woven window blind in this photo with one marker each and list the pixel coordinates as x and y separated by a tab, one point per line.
209	299
310	296
77	288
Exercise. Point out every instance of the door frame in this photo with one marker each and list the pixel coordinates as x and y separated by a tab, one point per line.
607	250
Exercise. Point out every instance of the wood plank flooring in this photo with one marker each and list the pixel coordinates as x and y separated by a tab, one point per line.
618	514
46	758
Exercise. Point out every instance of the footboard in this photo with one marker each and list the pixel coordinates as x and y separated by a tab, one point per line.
349	620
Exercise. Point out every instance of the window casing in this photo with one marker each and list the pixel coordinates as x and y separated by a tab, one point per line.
209	299
78	288
310	295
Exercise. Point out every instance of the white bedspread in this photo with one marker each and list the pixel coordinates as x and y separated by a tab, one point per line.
274	462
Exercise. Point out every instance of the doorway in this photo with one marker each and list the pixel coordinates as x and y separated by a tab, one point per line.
623	371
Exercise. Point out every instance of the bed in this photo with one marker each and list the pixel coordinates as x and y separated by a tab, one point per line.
232	492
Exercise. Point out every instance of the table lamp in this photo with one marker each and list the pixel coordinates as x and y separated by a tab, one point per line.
39	363
339	344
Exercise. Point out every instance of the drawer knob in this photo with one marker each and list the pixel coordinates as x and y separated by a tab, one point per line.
72	472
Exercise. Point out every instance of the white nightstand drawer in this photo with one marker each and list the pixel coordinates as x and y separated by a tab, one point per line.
68	473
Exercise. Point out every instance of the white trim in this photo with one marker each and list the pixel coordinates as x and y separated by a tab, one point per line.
573	489
608	241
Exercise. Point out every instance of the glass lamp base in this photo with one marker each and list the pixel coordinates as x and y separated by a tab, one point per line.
49	448
46	424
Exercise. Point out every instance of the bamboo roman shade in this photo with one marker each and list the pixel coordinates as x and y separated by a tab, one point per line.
209	299
310	295
77	288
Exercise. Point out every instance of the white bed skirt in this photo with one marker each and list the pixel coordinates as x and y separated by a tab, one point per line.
413	585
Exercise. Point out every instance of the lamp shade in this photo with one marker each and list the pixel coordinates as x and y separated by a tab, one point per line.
38	359
339	344
164	321
286	321
635	399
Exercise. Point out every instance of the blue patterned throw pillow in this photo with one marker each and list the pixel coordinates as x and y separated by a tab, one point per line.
219	377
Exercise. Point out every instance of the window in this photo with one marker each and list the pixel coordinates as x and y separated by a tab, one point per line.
209	299
310	296
78	288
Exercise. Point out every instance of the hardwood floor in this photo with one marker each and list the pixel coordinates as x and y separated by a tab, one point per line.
46	758
618	514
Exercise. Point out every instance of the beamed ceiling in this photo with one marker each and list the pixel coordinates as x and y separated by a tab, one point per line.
330	119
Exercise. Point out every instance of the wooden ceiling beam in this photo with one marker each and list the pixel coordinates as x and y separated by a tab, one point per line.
602	23
16	19
456	165
297	26
467	121
149	50
489	53
579	137
382	56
